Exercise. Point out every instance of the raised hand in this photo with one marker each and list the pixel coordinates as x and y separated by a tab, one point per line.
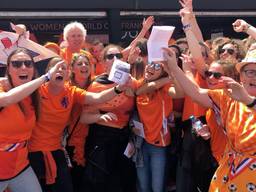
185	15
188	4
235	90
147	23
55	69
240	25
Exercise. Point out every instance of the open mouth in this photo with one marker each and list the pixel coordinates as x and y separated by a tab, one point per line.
252	85
59	78
23	77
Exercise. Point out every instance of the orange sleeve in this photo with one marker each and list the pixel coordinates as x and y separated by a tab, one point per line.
217	96
79	95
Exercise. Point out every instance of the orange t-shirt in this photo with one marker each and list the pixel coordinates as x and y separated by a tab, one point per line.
239	122
192	108
121	105
53	117
15	127
152	108
218	139
99	68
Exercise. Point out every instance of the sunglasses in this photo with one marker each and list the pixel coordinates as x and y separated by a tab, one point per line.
250	73
18	64
112	55
156	66
230	51
216	75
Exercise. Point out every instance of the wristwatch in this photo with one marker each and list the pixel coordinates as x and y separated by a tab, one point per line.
252	104
117	91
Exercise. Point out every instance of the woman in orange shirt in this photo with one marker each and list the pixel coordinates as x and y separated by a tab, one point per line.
57	98
107	169
77	131
15	171
236	171
154	109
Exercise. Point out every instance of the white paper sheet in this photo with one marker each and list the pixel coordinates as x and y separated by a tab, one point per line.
158	39
139	129
119	72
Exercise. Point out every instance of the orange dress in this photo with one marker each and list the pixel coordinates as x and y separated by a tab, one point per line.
15	130
152	109
237	169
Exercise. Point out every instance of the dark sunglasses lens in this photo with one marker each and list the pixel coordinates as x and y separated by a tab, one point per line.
222	51
18	64
110	56
28	63
217	75
231	51
119	55
208	73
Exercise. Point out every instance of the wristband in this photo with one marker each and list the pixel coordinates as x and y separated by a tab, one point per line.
47	77
186	27
117	91
252	104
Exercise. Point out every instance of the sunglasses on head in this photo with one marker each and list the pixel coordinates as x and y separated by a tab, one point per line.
112	55
156	66
230	51
216	75
18	64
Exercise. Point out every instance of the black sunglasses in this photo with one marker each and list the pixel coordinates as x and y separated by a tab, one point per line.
112	55
18	64
216	75
230	51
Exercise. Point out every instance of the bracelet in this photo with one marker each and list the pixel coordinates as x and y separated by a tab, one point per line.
117	91
47	77
186	27
252	104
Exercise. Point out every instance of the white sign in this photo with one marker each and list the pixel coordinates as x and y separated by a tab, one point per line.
158	39
119	72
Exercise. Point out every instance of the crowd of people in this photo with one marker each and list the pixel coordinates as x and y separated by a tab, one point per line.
68	129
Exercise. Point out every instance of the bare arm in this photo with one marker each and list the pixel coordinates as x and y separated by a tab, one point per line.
89	117
193	43
152	86
197	94
188	4
18	93
242	26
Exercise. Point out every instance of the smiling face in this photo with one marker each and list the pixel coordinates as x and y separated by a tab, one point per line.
214	72
75	38
20	68
153	71
228	51
81	68
110	55
248	78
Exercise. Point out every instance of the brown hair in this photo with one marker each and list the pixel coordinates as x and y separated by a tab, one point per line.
75	57
35	94
105	50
